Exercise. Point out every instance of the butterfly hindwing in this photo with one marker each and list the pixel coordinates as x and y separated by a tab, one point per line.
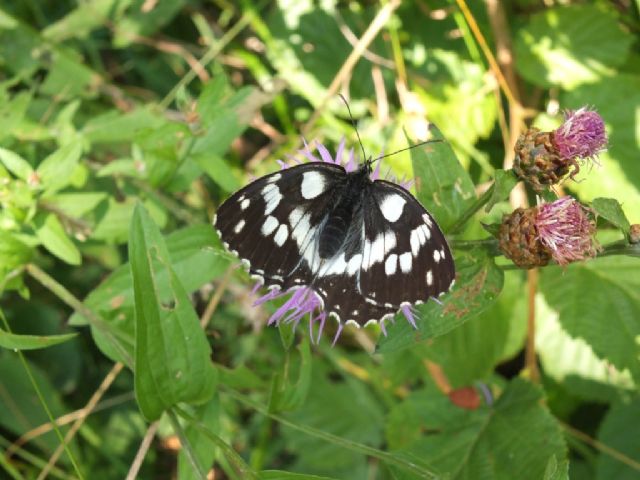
406	259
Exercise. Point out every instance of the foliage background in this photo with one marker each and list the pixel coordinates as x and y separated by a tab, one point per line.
105	105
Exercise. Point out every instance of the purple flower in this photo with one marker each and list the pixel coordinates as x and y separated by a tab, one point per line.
566	230
304	300
582	135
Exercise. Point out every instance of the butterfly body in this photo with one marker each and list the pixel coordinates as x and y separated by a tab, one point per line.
364	247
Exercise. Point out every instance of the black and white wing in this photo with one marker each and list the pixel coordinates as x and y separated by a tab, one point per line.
272	223
406	259
395	256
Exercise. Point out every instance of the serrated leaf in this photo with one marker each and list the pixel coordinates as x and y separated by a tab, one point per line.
610	210
172	355
517	433
31	342
618	432
568	46
55	170
16	164
478	283
443	186
503	183
599	301
51	234
556	470
572	362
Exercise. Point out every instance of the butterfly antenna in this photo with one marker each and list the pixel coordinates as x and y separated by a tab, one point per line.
353	122
433	140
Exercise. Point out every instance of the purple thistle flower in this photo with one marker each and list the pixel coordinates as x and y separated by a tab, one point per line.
582	135
305	300
566	230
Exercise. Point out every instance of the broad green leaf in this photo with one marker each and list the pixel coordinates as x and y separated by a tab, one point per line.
172	355
287	395
618	432
572	362
478	283
347	409
556	470
280	475
205	450
76	204
218	170
51	234
516	434
568	46
31	342
55	170
599	301
443	186
610	210
115	127
12	113
472	351
17	165
13	252
83	19
503	184
139	21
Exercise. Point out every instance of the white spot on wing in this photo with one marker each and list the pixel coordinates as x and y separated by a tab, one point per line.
429	278
272	197
415	242
239	226
281	235
391	264
274	178
391	207
427	219
269	225
335	266
313	184
354	264
405	262
245	203
436	256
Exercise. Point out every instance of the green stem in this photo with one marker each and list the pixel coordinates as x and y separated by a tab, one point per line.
621	247
419	470
186	445
43	402
232	456
471	211
29	457
67	297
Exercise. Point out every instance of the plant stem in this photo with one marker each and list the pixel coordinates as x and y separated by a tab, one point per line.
67	297
530	359
186	445
471	211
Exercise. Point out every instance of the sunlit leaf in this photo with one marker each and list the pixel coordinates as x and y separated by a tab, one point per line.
31	342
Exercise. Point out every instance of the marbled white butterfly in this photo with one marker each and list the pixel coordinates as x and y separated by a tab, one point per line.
343	242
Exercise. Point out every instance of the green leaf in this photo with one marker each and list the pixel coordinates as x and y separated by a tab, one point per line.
573	363
76	204
599	301
287	395
209	415
503	184
13	252
12	113
517	433
568	46
31	342
55	170
172	355
618	432
115	127
467	353
555	470
611	210
280	475
218	170
51	234
16	165
478	283
443	186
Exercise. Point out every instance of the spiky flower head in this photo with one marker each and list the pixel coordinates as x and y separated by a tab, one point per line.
562	230
304	300
545	158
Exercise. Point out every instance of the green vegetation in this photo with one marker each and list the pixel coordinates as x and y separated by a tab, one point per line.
129	343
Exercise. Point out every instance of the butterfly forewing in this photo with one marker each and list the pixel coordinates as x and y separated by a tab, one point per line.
272	224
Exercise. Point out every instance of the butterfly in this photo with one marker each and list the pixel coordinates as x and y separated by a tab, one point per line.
341	240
